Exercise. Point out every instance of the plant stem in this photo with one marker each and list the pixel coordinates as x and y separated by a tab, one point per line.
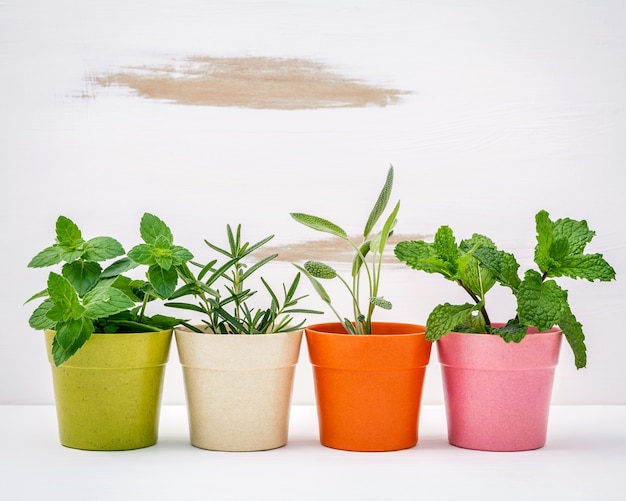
476	299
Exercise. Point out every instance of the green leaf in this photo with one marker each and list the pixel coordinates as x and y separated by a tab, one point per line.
102	248
379	242
380	205
151	228
577	234
573	332
319	224
180	255
320	270
68	234
83	275
588	266
164	281
445	247
381	302
106	301
143	254
65	299
47	257
540	304
513	331
441	256
357	262
118	267
545	236
69	338
445	317
319	288
39	319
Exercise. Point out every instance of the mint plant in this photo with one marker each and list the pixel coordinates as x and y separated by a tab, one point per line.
477	265
86	298
229	310
368	259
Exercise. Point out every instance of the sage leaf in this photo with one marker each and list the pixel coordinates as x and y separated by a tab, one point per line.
380	205
319	224
381	303
320	270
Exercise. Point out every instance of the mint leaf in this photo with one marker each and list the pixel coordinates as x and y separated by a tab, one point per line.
445	317
445	247
47	257
143	254
163	280
319	224
151	228
577	234
118	267
540	304
69	337
180	255
105	301
83	275
573	332
545	236
39	319
513	331
380	205
441	256
102	248
68	234
588	266
65	299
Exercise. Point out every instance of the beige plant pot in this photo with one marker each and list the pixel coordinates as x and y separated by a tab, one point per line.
238	388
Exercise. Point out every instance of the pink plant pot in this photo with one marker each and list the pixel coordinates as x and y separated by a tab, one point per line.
497	394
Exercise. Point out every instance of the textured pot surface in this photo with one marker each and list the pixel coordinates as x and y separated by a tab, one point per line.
108	394
238	388
368	388
498	394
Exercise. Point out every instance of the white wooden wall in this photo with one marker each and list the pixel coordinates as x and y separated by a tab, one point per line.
510	107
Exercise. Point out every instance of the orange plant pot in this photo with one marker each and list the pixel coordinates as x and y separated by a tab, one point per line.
368	388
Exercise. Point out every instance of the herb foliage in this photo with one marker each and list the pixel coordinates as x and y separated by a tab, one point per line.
477	265
367	260
228	310
86	298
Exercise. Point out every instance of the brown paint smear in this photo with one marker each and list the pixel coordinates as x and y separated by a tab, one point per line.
334	250
250	82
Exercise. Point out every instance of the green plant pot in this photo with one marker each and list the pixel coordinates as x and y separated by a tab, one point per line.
108	395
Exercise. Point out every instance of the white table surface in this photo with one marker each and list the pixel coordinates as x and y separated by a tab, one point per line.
584	459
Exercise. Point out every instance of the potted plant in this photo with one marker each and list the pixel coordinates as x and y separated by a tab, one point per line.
498	376
239	362
368	375
107	355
